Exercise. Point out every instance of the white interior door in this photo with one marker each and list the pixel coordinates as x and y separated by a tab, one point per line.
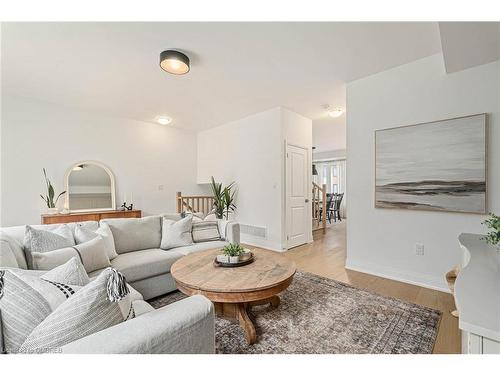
297	196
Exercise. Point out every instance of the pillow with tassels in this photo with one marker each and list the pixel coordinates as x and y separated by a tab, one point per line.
101	304
28	297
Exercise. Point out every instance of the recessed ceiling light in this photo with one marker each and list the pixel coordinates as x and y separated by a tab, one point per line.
336	112
163	120
174	62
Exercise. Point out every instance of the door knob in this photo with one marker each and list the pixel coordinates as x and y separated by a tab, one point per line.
307	200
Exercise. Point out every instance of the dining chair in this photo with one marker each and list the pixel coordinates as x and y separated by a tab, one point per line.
334	207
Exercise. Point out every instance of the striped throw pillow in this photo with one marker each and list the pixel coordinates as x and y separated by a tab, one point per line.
204	231
102	303
28	297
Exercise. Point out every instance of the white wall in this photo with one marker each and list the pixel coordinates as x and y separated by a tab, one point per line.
329	155
382	241
250	151
329	134
141	155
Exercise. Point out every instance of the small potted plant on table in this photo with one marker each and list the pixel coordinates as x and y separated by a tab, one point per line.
231	253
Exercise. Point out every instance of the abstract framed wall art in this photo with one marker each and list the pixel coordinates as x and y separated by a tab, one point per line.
439	166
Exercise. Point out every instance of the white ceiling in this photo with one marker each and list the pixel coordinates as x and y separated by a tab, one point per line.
237	68
467	44
330	134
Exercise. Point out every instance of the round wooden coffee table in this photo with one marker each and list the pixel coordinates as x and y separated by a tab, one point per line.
235	290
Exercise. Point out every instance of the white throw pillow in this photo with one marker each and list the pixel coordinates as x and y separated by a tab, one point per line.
83	234
210	217
12	251
72	272
92	254
100	304
176	233
196	214
27	297
46	239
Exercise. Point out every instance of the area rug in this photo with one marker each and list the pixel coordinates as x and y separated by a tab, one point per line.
319	316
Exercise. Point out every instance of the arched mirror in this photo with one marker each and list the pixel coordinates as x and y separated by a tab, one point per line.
90	186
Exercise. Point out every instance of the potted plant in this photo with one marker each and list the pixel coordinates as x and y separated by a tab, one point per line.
224	198
493	236
231	253
49	198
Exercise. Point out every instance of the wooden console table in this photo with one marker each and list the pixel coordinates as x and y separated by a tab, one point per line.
88	216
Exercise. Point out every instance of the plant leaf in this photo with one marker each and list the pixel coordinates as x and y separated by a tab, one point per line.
64	192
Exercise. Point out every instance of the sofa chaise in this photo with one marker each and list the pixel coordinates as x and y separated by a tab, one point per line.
186	326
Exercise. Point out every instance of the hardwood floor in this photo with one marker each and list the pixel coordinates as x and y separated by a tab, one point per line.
326	257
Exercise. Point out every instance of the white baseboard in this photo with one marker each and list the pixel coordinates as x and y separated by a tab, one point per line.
423	280
260	242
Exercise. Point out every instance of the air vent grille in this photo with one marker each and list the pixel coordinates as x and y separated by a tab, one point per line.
253	230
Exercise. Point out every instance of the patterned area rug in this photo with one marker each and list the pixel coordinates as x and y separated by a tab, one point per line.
319	315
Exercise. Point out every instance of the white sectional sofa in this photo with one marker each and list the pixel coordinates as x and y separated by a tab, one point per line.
186	326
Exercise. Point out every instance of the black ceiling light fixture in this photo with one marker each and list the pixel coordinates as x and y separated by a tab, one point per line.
174	62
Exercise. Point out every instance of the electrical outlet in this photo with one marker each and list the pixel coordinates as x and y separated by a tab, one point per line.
419	249
160	187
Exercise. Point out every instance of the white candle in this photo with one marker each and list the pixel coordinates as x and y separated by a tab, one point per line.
131	198
124	197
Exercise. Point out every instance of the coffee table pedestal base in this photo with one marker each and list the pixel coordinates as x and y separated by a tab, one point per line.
239	312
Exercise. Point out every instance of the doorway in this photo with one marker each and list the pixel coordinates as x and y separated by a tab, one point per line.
298	212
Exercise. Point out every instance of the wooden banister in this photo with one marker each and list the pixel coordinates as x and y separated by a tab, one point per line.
319	206
194	203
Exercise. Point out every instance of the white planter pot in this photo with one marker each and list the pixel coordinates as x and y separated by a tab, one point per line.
222	258
52	211
235	259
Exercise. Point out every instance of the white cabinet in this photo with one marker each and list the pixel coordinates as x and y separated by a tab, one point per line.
477	296
474	344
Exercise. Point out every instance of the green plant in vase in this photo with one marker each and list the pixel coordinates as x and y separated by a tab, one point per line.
49	198
493	236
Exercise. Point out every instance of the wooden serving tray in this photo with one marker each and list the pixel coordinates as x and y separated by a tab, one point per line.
239	264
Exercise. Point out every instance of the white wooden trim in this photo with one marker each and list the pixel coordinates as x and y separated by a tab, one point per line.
425	281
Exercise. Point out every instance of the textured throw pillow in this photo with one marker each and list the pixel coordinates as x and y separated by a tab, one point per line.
12	251
205	231
7	255
83	234
210	217
72	273
43	240
196	215
28	297
176	233
92	254
93	308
